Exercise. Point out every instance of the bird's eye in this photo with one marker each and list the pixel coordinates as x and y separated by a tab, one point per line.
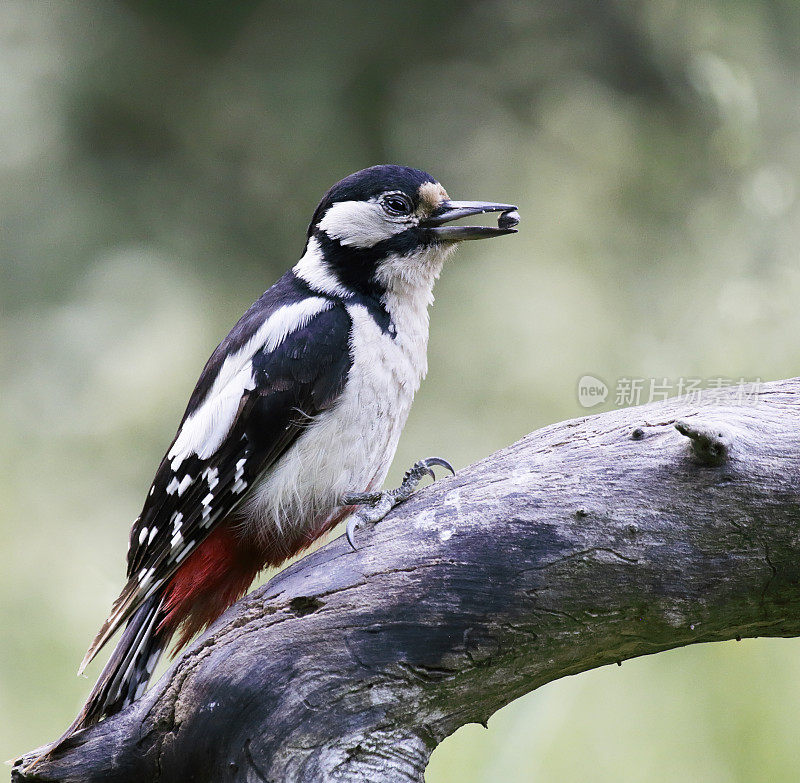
396	204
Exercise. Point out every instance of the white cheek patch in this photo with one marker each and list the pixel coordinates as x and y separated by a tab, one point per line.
359	223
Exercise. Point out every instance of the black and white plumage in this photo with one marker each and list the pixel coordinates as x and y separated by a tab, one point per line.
300	406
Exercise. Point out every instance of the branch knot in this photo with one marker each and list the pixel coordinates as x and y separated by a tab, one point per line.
710	442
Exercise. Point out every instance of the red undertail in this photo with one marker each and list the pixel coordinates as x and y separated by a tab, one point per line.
213	577
219	572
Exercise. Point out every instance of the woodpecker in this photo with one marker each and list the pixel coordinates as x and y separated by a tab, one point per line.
294	420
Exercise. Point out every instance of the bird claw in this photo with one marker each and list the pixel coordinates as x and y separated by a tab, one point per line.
350	530
353	522
381	503
425	465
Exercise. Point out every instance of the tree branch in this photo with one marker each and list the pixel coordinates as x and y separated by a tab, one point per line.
586	543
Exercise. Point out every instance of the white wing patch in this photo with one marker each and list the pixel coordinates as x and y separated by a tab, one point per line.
211	476
360	223
185	484
240	484
205	430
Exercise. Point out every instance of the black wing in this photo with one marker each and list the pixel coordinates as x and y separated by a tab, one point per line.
291	384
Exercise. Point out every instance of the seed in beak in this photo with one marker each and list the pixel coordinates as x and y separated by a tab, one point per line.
508	219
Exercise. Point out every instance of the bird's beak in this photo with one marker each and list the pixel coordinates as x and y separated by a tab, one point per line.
448	211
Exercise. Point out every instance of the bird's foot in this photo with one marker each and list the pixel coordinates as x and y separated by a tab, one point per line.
379	504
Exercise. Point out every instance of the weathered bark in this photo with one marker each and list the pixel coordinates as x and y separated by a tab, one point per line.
586	543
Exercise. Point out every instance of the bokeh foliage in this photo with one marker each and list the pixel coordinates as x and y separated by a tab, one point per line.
158	164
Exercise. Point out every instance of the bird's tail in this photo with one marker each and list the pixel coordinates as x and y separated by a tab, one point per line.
124	678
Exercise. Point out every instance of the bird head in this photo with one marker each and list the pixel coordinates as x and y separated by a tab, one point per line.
386	226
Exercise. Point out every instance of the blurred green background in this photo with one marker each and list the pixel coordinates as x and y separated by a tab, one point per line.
159	162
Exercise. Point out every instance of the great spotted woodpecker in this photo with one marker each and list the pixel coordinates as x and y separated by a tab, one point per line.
294	420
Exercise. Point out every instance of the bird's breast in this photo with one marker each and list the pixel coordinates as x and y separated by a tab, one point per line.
350	446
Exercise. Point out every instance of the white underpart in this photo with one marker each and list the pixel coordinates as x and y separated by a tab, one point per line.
204	431
313	270
349	448
409	279
361	223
